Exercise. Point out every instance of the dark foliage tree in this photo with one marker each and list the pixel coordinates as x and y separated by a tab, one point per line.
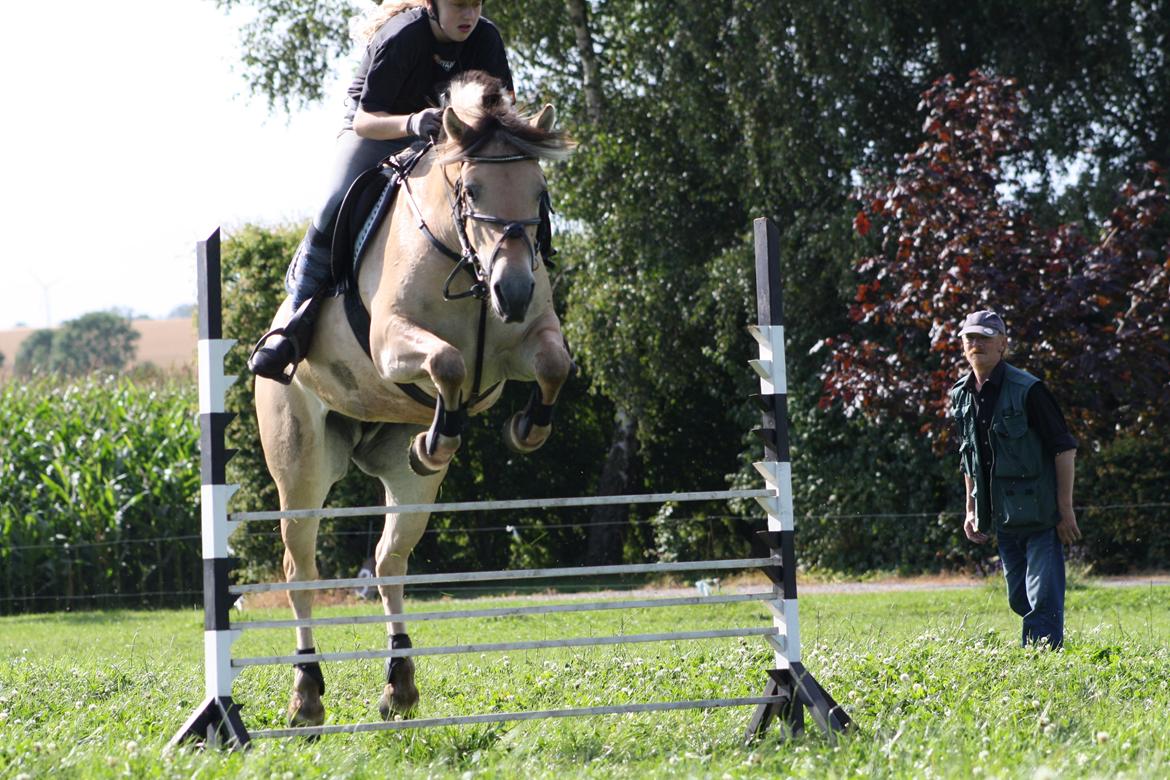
98	341
34	352
1087	309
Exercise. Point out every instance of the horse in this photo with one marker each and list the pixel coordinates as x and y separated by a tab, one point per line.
432	350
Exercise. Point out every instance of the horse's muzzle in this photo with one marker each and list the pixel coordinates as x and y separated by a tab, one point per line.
512	297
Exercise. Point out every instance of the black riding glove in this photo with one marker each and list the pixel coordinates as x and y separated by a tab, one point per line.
425	123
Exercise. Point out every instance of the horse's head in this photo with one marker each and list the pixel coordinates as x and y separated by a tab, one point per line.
501	204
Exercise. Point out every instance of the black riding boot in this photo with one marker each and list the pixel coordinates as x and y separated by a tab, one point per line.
278	351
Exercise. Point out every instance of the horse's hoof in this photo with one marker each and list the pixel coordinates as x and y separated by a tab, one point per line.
417	464
425	465
399	697
305	712
537	435
305	708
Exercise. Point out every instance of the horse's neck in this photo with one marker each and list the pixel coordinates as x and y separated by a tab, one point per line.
434	193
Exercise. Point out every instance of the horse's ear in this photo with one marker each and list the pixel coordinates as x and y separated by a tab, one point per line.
453	125
546	118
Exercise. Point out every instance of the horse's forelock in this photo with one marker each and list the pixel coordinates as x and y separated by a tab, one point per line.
482	103
475	95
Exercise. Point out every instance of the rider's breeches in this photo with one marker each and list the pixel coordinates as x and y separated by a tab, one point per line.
310	267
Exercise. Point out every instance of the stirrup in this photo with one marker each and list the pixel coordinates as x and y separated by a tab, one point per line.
286	374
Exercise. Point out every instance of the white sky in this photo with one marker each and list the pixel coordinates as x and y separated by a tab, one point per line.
129	136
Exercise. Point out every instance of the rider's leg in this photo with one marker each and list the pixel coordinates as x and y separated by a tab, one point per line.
311	272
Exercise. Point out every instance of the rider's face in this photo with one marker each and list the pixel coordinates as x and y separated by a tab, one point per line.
458	18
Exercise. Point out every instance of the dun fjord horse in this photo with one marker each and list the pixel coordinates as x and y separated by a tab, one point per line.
481	191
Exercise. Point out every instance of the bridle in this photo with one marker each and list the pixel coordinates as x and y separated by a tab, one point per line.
468	259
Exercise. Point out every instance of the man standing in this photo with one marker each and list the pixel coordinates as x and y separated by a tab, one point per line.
1017	459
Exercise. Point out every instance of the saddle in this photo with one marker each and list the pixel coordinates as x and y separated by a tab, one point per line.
365	206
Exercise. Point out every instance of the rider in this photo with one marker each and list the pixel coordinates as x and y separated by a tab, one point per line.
414	47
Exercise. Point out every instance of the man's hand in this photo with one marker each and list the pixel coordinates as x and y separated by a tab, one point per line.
971	529
1067	528
425	123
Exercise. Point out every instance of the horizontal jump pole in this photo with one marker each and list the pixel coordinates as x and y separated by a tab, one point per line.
478	506
496	647
507	717
547	609
506	574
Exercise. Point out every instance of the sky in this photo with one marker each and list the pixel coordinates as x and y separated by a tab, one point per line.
130	136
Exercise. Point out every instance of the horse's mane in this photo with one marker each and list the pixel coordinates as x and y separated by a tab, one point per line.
483	104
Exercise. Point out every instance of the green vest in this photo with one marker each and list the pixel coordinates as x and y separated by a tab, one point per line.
1022	494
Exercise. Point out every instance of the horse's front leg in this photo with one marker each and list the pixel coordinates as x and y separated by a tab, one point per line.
544	357
408	353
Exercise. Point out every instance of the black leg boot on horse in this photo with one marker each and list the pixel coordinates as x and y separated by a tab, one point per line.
309	276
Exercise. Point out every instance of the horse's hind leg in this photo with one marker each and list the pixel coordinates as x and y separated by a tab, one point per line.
305	457
383	457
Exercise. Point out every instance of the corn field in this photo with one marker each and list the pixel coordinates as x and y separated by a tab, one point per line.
99	479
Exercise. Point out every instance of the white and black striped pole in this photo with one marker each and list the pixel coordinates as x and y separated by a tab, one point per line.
789	679
217	720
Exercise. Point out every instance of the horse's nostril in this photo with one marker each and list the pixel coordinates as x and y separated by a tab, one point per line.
498	291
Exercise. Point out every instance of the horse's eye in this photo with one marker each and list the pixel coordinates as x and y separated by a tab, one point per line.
472	192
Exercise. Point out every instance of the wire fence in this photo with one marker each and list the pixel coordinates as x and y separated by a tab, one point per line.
66	544
175	578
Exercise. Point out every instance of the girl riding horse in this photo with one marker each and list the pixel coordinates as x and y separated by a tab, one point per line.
414	48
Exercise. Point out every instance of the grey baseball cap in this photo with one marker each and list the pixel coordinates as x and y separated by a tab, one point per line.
985	323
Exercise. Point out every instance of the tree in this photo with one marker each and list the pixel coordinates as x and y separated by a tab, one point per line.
34	352
96	341
92	342
1088	312
289	47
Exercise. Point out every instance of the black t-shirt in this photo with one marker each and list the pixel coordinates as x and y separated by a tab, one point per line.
405	68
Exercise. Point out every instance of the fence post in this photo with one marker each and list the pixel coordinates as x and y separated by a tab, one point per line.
217	719
789	679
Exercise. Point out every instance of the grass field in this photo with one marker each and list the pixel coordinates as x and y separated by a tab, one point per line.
934	681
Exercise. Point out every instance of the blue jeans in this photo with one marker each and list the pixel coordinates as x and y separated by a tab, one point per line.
1033	565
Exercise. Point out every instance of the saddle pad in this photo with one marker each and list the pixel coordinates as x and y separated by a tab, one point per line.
363	209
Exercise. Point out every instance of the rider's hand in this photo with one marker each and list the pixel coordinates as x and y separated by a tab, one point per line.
971	529
1067	528
425	123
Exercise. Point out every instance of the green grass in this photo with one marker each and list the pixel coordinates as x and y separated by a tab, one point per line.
935	682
